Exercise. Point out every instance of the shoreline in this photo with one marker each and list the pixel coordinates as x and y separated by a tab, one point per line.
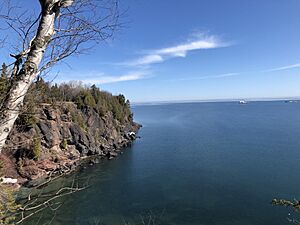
64	168
78	164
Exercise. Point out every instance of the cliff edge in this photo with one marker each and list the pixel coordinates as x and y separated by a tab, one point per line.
52	137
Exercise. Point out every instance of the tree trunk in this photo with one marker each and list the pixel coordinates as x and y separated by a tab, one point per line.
13	104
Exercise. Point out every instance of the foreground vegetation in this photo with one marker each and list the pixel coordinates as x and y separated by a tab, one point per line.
8	205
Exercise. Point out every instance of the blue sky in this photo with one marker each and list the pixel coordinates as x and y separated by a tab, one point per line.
197	50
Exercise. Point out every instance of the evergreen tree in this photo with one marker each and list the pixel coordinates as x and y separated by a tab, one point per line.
4	71
4	82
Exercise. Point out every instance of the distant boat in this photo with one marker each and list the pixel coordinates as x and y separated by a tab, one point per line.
290	101
243	102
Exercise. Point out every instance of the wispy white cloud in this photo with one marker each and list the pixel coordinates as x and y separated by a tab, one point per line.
293	66
180	50
141	65
146	60
100	78
224	75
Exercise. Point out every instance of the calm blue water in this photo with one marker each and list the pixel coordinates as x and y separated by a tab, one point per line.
197	163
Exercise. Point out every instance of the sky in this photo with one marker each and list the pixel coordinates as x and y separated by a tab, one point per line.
196	50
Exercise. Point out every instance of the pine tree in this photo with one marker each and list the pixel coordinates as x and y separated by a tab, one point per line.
3	82
4	71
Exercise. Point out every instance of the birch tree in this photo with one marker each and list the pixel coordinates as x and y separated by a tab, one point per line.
59	30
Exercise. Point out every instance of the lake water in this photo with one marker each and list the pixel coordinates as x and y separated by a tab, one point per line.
196	163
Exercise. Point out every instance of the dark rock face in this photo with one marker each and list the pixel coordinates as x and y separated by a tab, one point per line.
66	135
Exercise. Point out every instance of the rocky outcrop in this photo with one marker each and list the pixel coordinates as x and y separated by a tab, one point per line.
61	136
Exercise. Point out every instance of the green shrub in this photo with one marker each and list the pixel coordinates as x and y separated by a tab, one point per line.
78	119
8	205
36	147
27	121
64	144
27	118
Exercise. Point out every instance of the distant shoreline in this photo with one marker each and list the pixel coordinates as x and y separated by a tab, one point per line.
216	101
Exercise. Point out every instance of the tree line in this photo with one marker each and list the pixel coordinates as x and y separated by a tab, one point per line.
84	96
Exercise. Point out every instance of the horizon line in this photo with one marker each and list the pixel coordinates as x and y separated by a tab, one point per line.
261	99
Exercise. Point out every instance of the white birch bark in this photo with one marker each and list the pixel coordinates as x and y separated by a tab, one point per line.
14	102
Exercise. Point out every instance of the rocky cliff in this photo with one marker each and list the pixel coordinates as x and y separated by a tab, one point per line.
62	134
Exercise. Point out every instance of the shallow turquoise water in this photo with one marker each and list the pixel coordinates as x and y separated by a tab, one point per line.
196	163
